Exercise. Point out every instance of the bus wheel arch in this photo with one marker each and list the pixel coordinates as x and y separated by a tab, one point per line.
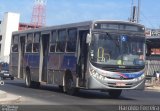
68	87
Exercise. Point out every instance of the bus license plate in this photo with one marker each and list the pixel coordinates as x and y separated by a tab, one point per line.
120	84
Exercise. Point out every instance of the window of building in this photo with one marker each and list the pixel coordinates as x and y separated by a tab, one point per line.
61	42
53	41
29	43
72	39
36	42
15	43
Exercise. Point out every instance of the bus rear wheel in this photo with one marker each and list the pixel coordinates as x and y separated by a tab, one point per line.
69	85
30	83
115	93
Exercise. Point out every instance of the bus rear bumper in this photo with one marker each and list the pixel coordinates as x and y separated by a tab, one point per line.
112	84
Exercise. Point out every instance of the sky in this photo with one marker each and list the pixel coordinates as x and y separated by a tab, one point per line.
69	11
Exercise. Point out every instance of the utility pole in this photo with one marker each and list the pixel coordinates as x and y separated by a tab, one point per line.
135	12
138	15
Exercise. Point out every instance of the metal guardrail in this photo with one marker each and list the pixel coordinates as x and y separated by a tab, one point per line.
152	66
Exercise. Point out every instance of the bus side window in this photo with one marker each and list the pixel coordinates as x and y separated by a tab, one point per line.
29	43
61	42
53	41
72	39
15	44
36	42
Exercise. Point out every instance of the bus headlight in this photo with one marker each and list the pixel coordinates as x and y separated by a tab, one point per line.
95	74
139	78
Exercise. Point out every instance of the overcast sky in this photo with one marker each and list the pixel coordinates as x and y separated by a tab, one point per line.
69	11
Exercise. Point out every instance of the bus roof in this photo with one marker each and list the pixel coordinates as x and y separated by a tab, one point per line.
71	25
119	21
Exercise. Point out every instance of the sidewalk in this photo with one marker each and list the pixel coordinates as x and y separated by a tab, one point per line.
153	87
6	98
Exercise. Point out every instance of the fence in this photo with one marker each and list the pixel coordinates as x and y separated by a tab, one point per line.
152	66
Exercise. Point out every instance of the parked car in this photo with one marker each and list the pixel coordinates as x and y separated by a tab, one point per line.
4	71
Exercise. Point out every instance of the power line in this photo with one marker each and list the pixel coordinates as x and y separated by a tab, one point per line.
145	18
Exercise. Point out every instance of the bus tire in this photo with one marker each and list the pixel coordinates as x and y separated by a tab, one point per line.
35	84
115	93
69	86
60	88
28	81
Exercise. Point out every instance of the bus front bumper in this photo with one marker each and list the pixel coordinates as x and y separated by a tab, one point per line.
94	83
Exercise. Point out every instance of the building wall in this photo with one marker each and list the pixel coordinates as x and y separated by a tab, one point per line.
9	24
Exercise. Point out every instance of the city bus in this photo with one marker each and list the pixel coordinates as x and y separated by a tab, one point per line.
96	55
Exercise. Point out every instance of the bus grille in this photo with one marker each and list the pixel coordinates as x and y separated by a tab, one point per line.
120	78
113	85
125	70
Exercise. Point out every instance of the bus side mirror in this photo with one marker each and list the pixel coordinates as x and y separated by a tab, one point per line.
88	40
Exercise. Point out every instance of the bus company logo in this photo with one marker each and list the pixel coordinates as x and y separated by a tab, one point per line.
117	77
121	77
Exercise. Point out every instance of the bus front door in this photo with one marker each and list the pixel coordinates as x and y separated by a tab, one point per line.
82	59
45	48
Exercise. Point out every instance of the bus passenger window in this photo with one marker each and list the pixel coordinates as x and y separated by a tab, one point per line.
35	47
29	47
72	39
52	47
29	43
15	44
36	43
15	48
61	41
53	41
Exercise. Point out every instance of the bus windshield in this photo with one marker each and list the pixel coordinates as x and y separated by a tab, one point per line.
117	49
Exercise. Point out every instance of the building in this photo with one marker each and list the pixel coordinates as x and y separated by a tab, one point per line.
9	24
153	40
152	32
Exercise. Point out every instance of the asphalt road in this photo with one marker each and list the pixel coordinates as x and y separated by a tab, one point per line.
51	95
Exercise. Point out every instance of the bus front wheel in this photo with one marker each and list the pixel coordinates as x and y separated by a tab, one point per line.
69	86
115	93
